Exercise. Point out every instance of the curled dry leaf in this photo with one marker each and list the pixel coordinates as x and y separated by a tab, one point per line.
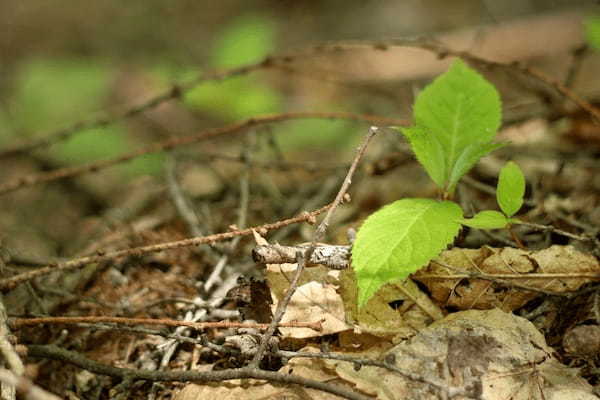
555	269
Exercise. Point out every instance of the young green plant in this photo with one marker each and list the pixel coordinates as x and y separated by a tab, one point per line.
456	119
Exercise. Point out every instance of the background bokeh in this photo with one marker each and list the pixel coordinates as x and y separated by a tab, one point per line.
63	62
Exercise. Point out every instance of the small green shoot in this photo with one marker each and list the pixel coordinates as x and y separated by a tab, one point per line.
511	189
488	219
456	119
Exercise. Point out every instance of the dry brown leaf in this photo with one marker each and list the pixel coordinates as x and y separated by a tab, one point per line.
502	354
555	269
314	302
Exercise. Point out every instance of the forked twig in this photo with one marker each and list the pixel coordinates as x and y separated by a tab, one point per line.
302	257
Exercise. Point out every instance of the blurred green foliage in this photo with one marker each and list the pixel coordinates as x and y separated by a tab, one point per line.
234	99
247	39
51	93
592	31
319	134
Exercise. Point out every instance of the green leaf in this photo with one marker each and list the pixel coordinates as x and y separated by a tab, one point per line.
399	239
511	189
468	158
487	220
592	31
459	108
429	152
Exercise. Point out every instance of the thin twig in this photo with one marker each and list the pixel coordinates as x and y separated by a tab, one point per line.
430	45
279	62
56	353
9	283
455	391
575	65
310	166
21	322
325	190
169	144
302	257
202	341
549	228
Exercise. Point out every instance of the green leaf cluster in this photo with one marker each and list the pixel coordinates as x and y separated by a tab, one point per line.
456	118
509	195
